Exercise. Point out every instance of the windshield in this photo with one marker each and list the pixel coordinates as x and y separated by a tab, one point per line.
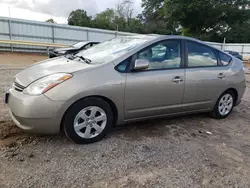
112	49
79	44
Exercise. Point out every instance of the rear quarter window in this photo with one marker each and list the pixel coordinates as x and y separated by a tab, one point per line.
224	58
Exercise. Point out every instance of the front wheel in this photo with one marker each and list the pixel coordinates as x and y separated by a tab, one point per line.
224	105
88	120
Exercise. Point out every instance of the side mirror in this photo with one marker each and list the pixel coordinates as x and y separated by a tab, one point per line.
141	64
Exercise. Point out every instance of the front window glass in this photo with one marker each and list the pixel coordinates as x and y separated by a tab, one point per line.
164	55
200	55
123	65
112	49
79	44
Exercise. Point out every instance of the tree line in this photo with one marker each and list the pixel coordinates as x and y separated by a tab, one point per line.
210	20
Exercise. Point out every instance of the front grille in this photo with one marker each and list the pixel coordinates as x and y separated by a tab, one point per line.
18	86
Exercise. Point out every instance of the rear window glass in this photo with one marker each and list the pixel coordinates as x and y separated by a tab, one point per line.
224	58
200	55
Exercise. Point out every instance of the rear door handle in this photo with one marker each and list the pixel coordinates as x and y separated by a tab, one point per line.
221	76
177	79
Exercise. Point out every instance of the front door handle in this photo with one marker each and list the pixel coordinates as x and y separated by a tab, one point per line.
177	79
221	76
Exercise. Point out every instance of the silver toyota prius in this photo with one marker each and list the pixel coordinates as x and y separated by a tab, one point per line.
122	80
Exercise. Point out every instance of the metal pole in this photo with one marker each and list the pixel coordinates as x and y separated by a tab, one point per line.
87	33
53	33
242	50
224	43
10	33
117	30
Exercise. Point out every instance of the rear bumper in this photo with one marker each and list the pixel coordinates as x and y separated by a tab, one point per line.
35	114
241	91
238	102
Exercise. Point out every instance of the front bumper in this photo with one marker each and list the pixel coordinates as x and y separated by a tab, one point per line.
35	114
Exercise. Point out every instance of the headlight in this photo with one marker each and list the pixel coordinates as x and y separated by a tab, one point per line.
46	83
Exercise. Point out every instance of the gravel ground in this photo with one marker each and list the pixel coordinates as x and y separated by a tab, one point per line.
187	151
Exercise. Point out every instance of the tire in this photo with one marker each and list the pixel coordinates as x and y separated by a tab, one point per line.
217	112
84	117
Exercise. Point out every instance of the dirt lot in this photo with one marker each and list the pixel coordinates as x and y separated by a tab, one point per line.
188	151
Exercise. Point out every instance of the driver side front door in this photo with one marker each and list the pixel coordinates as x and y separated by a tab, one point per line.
159	89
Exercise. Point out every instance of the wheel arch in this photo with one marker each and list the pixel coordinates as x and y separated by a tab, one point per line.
109	101
235	92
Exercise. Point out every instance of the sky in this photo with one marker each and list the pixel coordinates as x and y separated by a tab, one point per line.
41	10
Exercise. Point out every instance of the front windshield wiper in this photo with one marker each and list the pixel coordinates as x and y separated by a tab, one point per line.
86	60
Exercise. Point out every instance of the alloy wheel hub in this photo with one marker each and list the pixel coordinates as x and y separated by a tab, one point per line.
90	122
225	104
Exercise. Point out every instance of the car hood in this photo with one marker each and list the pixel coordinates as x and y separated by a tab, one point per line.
48	67
64	49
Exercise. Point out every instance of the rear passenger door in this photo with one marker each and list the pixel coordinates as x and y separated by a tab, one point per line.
205	76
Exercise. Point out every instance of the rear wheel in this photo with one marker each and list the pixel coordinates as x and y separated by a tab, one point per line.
224	105
88	120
